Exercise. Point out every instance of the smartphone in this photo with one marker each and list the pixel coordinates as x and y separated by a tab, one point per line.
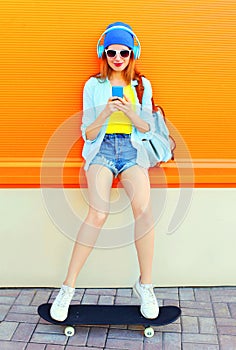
117	91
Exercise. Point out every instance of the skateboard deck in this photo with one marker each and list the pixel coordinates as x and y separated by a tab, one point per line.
111	315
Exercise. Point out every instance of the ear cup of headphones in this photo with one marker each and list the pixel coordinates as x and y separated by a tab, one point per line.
100	49
136	52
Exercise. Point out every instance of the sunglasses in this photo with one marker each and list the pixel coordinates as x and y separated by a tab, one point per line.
114	53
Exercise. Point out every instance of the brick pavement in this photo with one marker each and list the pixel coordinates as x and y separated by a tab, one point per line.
208	321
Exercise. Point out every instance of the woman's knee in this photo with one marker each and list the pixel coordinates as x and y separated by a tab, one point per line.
143	211
97	218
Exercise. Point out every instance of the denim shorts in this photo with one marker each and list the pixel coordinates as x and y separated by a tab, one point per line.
116	153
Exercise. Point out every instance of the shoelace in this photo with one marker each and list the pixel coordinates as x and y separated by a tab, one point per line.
63	298
151	299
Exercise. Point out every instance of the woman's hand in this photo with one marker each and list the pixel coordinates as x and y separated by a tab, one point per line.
124	105
111	107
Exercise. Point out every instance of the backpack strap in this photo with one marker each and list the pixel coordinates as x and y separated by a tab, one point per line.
140	90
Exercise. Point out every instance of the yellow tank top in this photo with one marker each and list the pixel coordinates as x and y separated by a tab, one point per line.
118	122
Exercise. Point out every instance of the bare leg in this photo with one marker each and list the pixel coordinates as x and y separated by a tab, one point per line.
136	183
99	180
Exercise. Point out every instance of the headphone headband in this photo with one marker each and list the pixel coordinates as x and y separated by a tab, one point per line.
136	49
119	27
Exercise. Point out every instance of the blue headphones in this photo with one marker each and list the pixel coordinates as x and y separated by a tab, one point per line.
136	48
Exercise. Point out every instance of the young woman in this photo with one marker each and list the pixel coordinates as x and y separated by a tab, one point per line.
113	129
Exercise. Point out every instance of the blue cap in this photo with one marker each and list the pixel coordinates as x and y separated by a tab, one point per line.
119	35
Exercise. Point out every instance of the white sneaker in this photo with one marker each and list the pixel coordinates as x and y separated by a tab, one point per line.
149	306
60	306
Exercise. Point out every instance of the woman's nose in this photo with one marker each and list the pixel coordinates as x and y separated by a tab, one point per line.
118	56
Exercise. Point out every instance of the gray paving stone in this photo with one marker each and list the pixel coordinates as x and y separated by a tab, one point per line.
186	294
15	317
80	291
172	327
227	330
24	309
171	341
190	324
225	321
33	346
97	337
200	338
227	342
221	310
126	301
6	300
168	290
90	299
232	308
125	334
54	292
124	292
119	300
42	321
50	338
41	297
170	302
80	337
223	288
49	328
78	296
10	345
25	297
149	346
106	300
196	312
124	344
75	302
207	325
86	347
3	311
55	347
193	346
24	332
196	305
202	295
154	343
225	296
9	292
101	291
7	329
165	295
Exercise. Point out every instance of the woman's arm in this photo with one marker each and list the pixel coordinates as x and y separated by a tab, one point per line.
94	117
93	129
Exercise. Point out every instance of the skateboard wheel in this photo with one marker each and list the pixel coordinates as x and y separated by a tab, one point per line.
69	331
149	332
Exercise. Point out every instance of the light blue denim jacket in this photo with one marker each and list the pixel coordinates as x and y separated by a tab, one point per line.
95	96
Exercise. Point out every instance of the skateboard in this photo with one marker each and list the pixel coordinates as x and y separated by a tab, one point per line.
110	315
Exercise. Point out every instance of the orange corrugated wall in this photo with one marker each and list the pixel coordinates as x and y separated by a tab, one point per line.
48	50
